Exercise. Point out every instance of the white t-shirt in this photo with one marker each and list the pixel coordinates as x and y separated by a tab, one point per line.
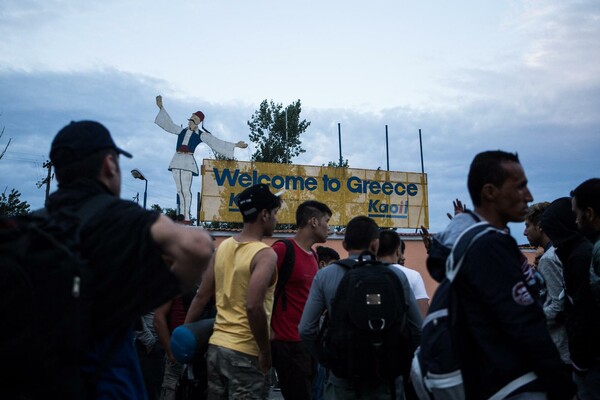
416	282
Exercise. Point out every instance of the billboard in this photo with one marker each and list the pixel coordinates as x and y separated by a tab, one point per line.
393	199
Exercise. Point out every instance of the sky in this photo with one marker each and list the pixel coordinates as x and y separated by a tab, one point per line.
521	76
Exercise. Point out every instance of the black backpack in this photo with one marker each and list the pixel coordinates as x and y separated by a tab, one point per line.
366	338
45	302
435	371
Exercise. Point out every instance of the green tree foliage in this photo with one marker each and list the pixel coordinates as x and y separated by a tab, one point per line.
169	212
337	164
274	143
12	205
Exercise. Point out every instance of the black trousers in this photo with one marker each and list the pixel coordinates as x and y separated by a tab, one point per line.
295	369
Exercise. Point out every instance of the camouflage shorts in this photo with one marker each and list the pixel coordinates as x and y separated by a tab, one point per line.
235	375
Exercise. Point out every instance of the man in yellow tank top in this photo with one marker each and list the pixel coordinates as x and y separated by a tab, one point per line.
242	279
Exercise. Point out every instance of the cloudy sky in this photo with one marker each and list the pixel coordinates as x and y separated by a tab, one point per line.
521	76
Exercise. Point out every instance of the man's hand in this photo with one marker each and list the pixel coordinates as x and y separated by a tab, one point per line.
459	208
171	357
159	101
241	144
427	239
264	361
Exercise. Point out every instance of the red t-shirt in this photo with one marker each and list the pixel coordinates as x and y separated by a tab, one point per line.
285	323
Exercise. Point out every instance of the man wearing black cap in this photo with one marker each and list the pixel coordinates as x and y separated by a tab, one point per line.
242	280
125	247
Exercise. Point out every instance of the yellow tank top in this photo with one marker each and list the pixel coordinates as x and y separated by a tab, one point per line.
232	274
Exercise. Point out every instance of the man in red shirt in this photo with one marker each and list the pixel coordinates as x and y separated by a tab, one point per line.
293	364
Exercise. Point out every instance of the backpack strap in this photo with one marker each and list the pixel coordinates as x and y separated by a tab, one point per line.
463	244
347	263
289	259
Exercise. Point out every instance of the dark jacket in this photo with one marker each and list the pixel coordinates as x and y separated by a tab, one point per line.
500	327
575	253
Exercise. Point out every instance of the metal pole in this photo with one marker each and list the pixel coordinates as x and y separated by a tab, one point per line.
387	148
145	192
287	146
340	142
421	146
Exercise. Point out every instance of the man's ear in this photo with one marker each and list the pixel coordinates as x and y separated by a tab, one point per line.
264	214
344	245
110	166
488	192
314	222
590	214
374	246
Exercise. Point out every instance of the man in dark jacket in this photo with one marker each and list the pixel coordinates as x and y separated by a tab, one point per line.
583	325
125	247
500	330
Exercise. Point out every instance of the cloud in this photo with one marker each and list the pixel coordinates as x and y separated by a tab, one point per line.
539	98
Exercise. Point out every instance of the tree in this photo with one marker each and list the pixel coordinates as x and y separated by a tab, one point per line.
274	142
7	144
169	212
12	205
337	164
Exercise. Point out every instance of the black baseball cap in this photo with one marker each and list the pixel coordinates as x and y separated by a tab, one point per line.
84	138
256	198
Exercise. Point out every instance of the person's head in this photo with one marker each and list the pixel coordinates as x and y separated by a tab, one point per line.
195	120
258	204
326	256
586	205
85	149
389	245
401	258
498	187
558	222
315	215
362	234
533	230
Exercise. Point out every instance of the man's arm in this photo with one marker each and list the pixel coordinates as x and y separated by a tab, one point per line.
413	316
190	248
551	269
423	306
203	295
262	273
161	327
311	316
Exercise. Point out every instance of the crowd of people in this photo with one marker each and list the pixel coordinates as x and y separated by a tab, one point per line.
519	331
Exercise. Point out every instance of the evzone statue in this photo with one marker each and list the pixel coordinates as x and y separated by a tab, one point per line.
183	165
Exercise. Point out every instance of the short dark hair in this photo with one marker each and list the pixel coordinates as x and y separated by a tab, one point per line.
327	254
360	232
310	209
587	194
389	242
535	211
486	168
69	168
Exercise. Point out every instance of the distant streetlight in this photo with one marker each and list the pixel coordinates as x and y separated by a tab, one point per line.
137	174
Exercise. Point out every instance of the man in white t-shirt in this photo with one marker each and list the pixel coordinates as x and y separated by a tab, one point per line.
391	250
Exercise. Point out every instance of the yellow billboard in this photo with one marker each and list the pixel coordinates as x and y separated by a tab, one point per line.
393	199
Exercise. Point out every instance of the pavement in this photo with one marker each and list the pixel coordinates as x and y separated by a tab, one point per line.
275	395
